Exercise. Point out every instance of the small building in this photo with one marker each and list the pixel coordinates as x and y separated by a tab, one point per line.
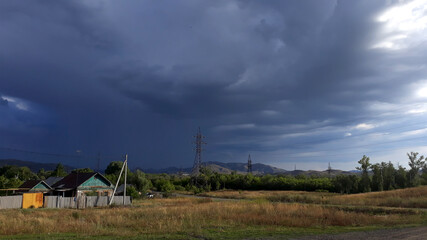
78	184
34	186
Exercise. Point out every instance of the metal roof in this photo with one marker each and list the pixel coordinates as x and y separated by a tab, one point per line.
30	184
52	180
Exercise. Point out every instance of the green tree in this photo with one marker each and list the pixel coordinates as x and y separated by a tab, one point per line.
82	170
21	173
114	168
401	177
164	185
131	191
141	183
346	183
59	171
415	163
377	178
389	175
42	174
365	183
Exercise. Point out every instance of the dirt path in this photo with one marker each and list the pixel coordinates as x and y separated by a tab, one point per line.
415	233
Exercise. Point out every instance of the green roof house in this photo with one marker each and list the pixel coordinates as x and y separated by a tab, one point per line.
77	184
35	186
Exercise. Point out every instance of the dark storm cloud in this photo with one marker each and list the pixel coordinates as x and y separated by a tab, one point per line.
134	76
297	53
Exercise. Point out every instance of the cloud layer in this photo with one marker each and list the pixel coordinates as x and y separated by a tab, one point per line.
291	82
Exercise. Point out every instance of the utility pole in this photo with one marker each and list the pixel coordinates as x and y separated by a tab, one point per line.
126	174
118	180
198	158
249	164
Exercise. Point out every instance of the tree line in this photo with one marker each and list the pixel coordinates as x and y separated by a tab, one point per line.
371	177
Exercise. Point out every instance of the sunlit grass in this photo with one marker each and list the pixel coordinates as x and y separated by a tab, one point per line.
181	217
406	198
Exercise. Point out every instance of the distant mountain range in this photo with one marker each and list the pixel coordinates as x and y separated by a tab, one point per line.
219	167
257	168
34	166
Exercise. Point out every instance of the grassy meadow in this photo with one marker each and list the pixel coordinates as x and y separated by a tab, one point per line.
263	214
402	198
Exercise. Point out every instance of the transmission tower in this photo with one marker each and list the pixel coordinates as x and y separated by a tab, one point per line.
249	164
329	169
198	158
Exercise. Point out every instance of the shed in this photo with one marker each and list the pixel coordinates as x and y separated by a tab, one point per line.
76	184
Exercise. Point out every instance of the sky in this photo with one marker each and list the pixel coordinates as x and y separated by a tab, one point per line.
296	84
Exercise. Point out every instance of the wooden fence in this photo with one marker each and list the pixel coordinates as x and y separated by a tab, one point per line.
82	201
10	202
65	202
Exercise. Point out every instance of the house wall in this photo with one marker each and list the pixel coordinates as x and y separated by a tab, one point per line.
41	187
95	182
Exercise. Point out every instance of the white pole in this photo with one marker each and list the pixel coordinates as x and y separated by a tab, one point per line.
126	174
118	180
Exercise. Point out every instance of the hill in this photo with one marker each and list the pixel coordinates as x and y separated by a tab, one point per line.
241	168
34	166
257	168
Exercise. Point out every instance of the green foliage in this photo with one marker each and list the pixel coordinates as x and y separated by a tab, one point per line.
377	178
384	177
15	172
42	174
131	191
140	181
365	182
164	185
112	172
416	164
82	170
401	178
6	183
59	171
114	168
346	184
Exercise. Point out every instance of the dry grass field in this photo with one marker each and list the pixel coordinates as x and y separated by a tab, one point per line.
186	218
404	198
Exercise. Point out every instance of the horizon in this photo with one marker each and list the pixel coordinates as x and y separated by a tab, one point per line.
299	83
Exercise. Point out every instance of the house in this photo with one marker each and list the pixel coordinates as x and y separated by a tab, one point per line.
34	186
78	184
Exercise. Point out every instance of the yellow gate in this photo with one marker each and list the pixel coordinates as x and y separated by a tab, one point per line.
32	200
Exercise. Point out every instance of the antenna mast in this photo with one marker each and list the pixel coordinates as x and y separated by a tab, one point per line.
249	164
198	158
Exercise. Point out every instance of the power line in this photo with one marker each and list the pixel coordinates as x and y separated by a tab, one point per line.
57	154
40	153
